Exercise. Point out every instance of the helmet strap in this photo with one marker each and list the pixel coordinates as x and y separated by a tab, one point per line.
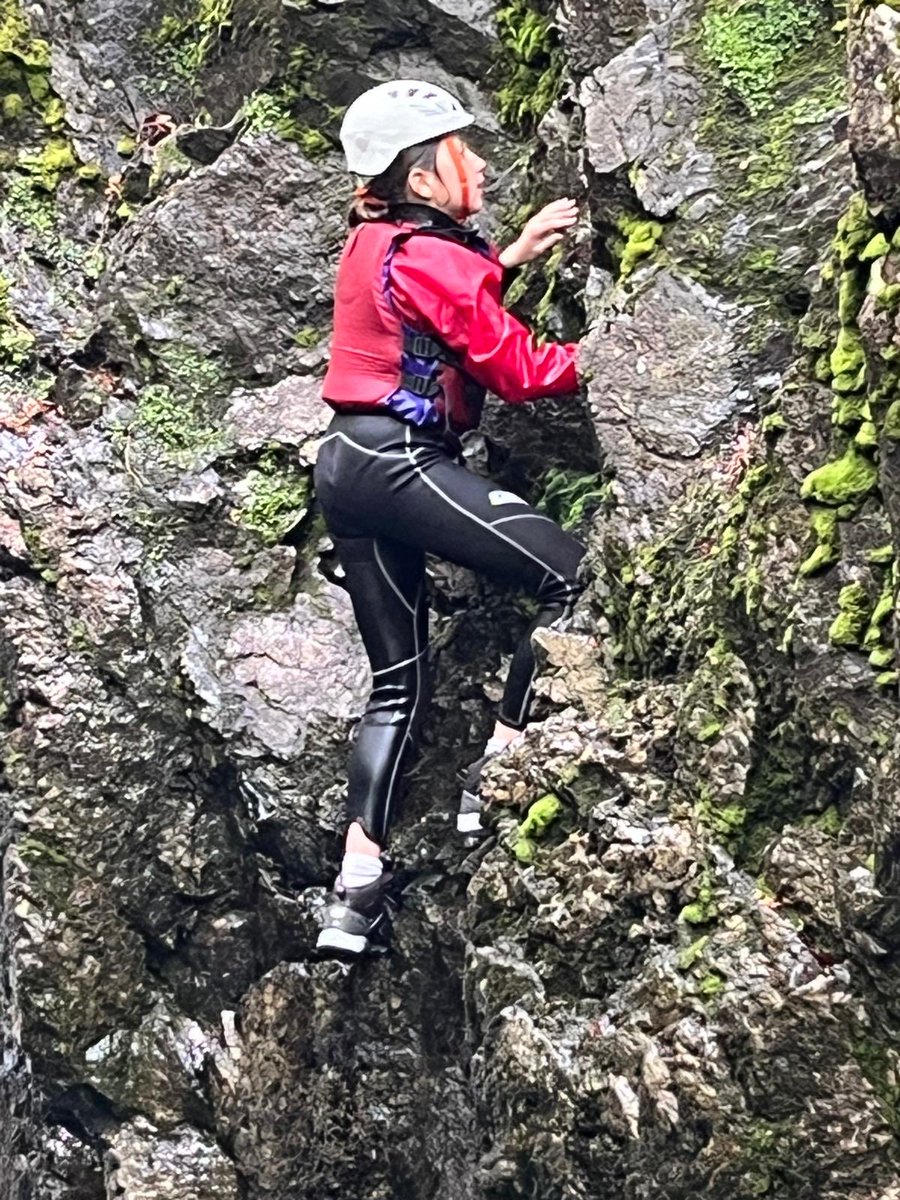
456	157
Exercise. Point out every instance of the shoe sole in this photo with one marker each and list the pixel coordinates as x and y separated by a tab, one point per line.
337	941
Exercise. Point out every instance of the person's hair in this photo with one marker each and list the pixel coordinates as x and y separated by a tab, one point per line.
372	200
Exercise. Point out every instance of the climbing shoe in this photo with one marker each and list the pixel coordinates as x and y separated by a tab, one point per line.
355	919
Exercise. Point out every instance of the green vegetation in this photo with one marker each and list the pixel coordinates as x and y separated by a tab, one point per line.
568	496
711	984
170	422
531	62
692	953
16	340
176	410
284	109
16	40
271	112
751	44
539	818
855	608
188	41
641	239
774	160
276	497
824	523
702	910
307	337
848	479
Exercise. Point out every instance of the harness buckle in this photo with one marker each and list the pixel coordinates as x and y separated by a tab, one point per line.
421	386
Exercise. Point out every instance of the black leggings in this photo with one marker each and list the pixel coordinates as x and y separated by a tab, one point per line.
390	493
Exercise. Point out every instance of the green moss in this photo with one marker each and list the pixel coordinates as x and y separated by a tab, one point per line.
849	411
855	230
193	375
827	551
642	238
853	616
169	162
774	160
568	496
881	555
761	260
890	427
539	818
823	556
13	107
126	145
307	336
169	421
16	339
702	910
711	984
50	164
772	422
874	248
186	43
887	679
850	296
882	656
884	608
750	44
692	953
846	479
276	498
531	64
830	821
848	362
175	411
16	40
866	436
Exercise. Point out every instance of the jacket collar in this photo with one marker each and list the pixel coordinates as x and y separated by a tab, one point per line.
424	214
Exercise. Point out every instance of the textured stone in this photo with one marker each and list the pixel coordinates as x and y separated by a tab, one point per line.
185	1165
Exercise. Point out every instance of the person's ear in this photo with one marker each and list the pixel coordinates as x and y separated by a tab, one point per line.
418	181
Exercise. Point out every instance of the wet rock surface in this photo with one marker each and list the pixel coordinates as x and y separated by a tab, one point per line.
672	970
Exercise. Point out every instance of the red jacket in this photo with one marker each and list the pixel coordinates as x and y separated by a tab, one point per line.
400	280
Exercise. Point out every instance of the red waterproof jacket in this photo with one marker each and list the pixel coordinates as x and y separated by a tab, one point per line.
420	327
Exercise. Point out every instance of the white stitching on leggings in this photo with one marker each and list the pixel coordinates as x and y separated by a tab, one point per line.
526	699
412	716
394	666
523	517
365	449
484	524
406	604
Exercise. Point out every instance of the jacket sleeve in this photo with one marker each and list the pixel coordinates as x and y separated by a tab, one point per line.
454	293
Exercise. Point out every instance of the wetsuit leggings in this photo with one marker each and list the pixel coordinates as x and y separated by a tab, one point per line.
391	492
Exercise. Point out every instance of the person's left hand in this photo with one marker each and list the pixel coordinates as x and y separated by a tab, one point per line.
541	233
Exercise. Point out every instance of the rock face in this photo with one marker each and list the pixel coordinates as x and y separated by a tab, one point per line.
672	972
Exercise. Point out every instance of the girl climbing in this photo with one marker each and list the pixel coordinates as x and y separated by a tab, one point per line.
420	332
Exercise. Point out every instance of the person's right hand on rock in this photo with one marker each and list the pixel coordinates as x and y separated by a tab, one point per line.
541	233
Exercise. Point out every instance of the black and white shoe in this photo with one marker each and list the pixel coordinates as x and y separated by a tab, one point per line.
471	805
354	918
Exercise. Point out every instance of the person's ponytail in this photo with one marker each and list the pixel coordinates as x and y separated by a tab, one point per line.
373	200
366	206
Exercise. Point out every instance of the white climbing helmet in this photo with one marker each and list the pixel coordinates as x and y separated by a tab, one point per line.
393	116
